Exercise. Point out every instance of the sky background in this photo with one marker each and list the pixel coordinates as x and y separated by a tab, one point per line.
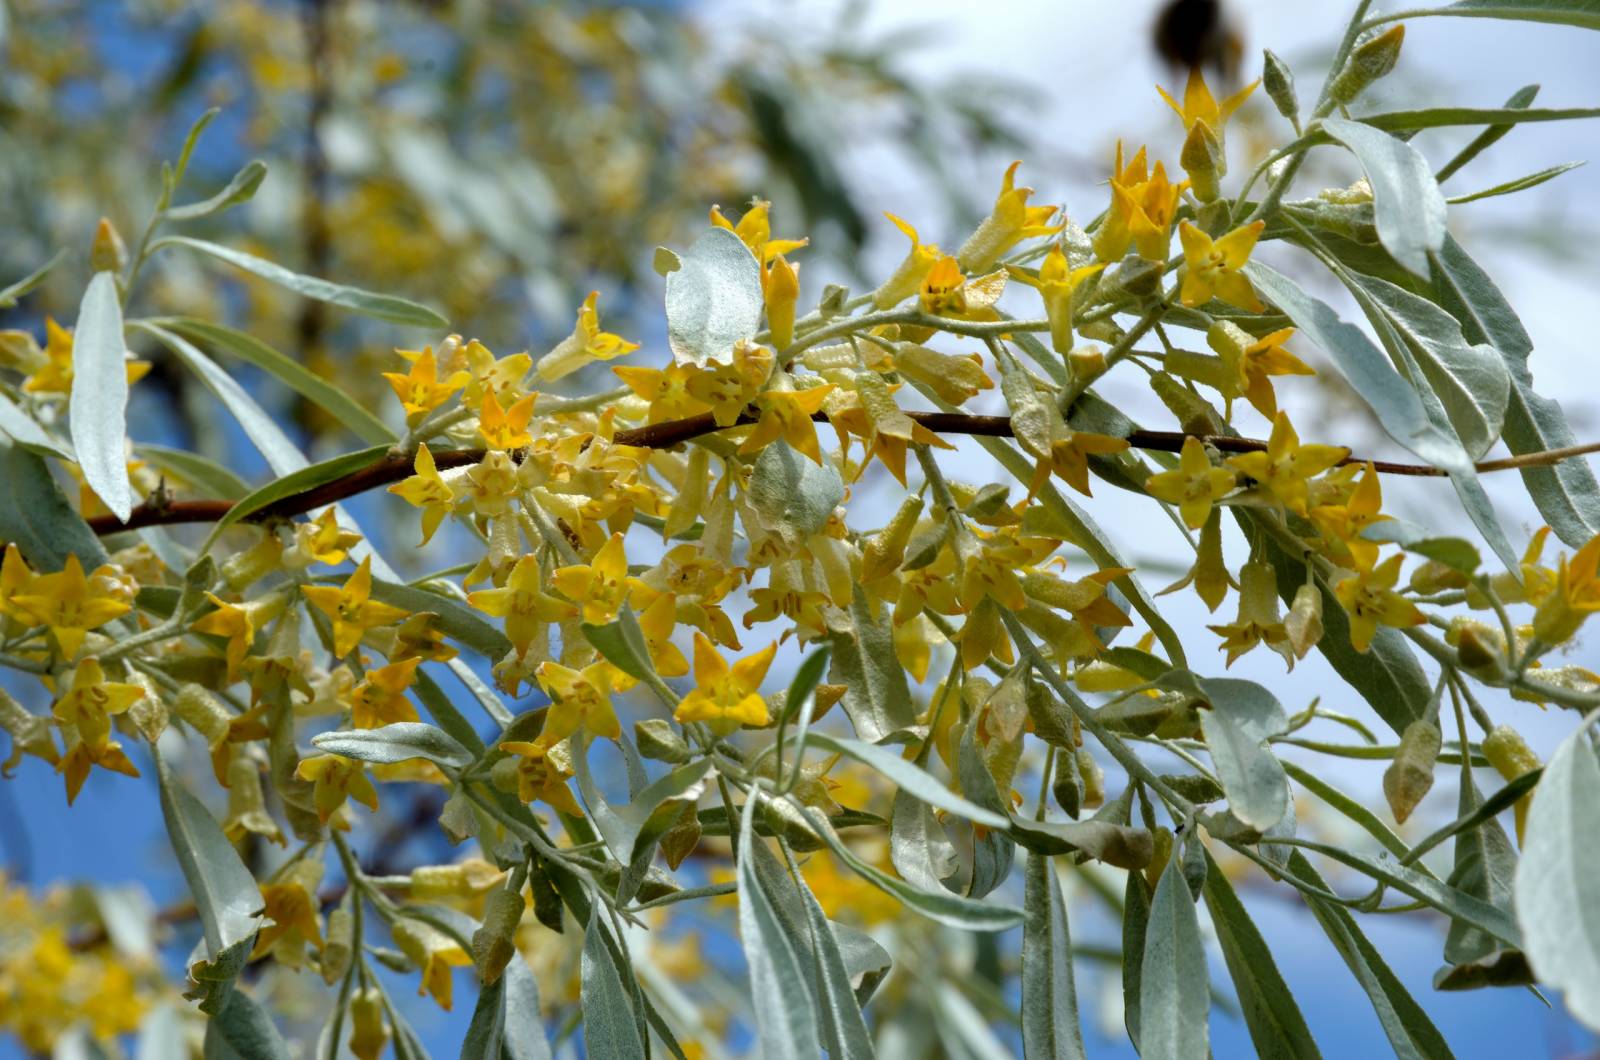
1090	74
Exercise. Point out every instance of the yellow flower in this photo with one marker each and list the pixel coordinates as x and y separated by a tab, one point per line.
69	604
1199	105
91	702
1258	621
55	377
1056	283
600	586
727	697
1341	524
580	699
522	603
782	291
381	698
237	624
1371	601
352	608
321	540
501	377
333	780
1286	465
907	277
1010	222
433	952
1253	363
1574	598
506	428
420	390
74	765
1069	458
1142	210
1214	266
542	772
1194	486
727	387
427	490
292	908
755	230
786	414
666	389
368	1033
586	343
657	623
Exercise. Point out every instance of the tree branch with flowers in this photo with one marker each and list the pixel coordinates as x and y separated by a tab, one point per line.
1009	687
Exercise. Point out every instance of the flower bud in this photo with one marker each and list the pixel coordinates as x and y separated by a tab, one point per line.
247	808
657	739
337	945
1304	621
1161	842
494	944
782	292
1410	775
108	253
1278	81
1137	277
1193	853
1094	779
1203	159
464	879
1435	577
254	563
1194	787
1370	60
887	549
203	712
368	1034
1510	754
20	351
504	775
1087	363
1193	412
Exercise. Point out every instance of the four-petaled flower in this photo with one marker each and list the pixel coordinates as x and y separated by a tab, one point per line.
522	602
786	414
352	608
427	490
727	697
1574	597
92	700
69	604
542	772
1369	598
1342	524
586	343
1194	486
380	699
506	428
335	779
1213	266
600	586
580	699
420	390
1282	470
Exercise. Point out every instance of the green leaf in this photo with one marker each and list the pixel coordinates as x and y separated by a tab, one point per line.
460	622
10	294
1174	986
400	741
713	298
623	645
1566	494
242	188
306	478
225	894
1510	187
801	699
98	406
1409	208
912	779
1485	866
1351	808
1558	878
506	1023
1115	844
1242	718
919	847
1135	926
993	852
445	714
26	432
1410	1031
1454	552
877	697
1499	117
161	1035
1049	997
36	515
791	495
610	1026
630	829
1521	99
1270	1011
780	985
1585	14
381	306
210	478
246	1030
1471	381
940	905
330	398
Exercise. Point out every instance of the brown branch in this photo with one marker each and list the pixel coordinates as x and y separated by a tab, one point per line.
393	467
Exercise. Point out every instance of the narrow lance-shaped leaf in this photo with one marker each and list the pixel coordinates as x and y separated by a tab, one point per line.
877	697
1174	988
780	985
99	402
400	741
1049	996
1585	14
1558	878
1241	718
382	306
36	516
610	1026
1409	208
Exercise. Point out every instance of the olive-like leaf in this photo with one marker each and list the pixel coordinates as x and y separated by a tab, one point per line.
1409	208
791	495
713	298
913	779
99	404
37	517
399	741
877	697
610	1026
1049	997
241	188
1174	985
381	306
780	984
